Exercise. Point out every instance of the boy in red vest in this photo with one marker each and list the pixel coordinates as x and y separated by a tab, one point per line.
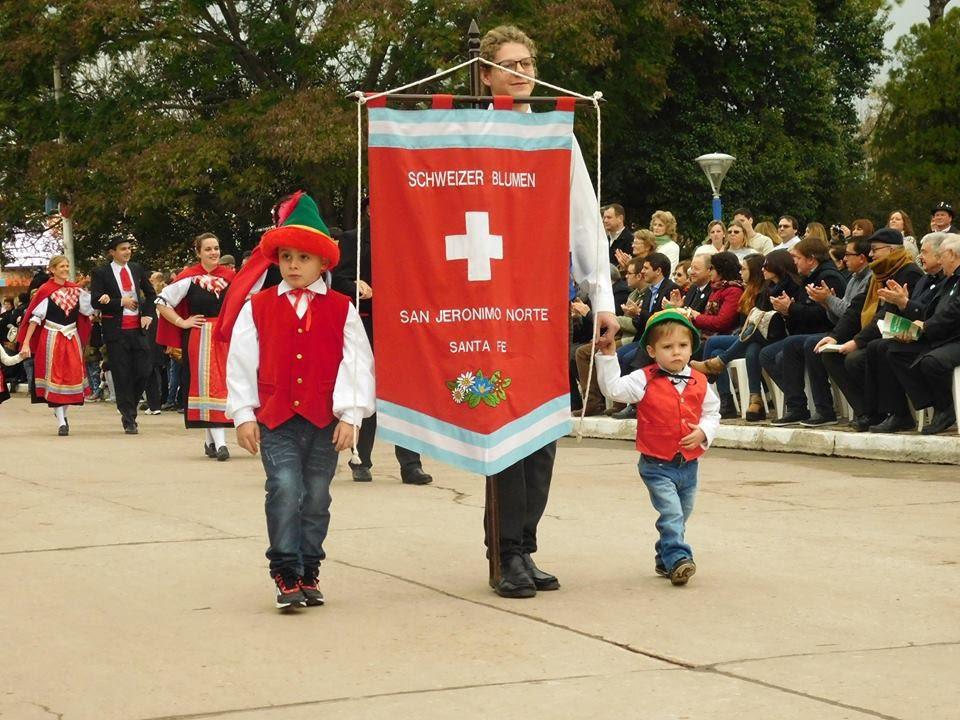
299	382
678	414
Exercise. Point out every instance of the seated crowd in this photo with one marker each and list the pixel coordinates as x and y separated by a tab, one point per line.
871	312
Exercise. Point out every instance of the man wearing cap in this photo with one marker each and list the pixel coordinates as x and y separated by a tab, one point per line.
941	219
122	292
854	366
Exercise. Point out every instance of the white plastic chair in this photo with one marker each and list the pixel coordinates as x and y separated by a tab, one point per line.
739	382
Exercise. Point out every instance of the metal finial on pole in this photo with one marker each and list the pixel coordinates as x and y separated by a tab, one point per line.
473	51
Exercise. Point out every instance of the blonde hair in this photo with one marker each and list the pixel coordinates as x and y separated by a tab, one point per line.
769	229
669	223
648	239
816	230
501	35
56	260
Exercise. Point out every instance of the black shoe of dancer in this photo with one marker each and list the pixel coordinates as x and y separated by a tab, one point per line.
222	453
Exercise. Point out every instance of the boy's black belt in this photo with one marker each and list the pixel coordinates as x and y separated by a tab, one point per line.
677	459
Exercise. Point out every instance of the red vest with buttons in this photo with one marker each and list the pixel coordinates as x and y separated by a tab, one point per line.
662	412
298	365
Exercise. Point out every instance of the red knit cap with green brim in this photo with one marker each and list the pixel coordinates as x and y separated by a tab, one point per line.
301	229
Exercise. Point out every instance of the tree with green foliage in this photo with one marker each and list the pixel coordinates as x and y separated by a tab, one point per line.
184	116
916	140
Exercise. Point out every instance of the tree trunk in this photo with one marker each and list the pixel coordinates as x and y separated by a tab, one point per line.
936	9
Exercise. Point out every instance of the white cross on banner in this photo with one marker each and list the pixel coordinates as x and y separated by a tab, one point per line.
478	247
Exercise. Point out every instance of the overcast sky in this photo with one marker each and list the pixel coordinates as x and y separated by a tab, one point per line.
904	16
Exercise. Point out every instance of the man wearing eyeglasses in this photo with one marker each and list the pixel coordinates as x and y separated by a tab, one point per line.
787	230
854	366
522	488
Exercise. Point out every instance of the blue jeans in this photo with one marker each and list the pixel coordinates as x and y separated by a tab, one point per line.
626	355
717	345
93	373
173	382
672	489
300	461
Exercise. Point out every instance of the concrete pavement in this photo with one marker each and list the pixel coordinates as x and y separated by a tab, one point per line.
134	587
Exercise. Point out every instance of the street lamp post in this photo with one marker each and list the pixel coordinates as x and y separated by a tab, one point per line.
715	166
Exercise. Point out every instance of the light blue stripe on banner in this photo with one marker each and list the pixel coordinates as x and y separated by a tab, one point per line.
416	117
500	142
481	440
471	464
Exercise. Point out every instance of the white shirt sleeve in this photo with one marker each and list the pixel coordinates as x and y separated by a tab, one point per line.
628	389
8	359
710	416
672	251
39	312
86	307
243	363
174	293
355	346
589	246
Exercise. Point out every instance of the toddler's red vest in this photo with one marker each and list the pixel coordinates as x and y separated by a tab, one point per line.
298	366
661	412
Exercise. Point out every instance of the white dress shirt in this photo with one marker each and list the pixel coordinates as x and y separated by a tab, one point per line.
126	293
243	364
631	389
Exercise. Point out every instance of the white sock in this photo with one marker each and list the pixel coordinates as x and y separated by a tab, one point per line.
61	412
207	437
218	436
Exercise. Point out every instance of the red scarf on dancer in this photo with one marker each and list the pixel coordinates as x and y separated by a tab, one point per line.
43	293
168	334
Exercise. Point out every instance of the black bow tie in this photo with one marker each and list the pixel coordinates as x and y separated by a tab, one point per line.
676	379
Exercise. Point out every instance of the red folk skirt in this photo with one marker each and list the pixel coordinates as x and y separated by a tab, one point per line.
59	374
4	393
207	362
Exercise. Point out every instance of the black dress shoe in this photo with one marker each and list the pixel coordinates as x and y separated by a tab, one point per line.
791	417
942	420
515	581
415	476
541	580
63	431
892	424
728	411
628	413
131	430
222	453
210	450
361	473
862	423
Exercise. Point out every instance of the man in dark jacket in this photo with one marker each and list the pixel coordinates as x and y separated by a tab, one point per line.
619	237
345	280
805	319
854	366
122	292
925	368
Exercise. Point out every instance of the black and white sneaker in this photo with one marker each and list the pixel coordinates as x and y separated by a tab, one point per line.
289	594
819	420
312	594
681	573
793	417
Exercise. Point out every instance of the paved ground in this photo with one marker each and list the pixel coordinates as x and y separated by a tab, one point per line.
134	587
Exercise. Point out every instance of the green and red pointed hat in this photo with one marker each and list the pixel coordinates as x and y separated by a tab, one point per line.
300	226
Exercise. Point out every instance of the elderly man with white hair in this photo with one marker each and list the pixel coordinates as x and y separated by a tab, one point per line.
925	367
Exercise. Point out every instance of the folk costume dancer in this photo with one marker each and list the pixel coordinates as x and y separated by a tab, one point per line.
300	381
188	309
9	361
121	290
54	330
522	489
